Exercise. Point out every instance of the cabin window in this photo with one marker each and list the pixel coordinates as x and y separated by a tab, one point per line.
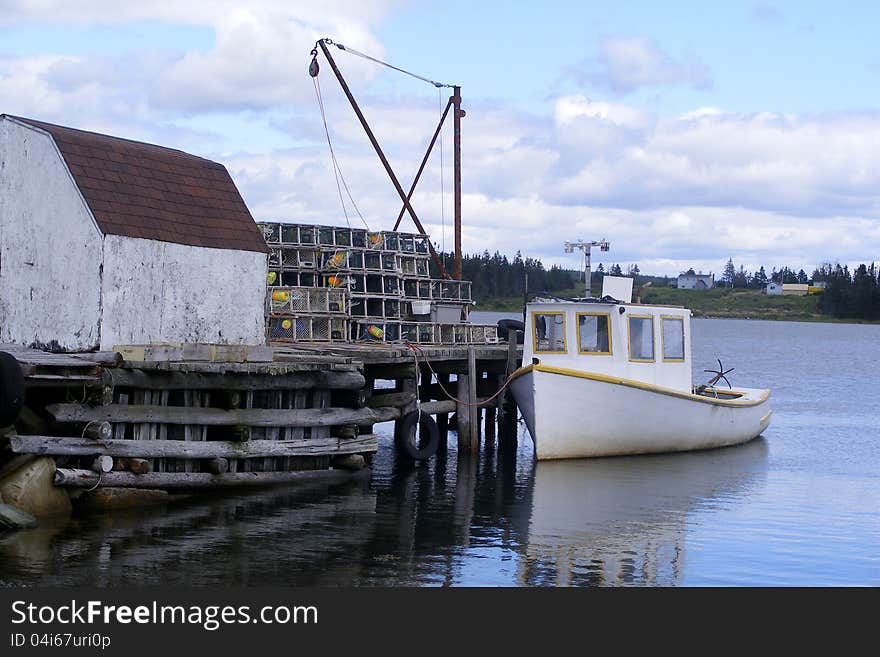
594	333
673	338
641	338
549	332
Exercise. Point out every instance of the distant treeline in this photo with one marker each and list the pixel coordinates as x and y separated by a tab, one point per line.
741	278
847	295
496	276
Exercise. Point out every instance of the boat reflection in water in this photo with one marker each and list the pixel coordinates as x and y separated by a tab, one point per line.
621	521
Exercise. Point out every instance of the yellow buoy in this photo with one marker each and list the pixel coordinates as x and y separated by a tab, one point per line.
375	332
272	277
286	324
280	295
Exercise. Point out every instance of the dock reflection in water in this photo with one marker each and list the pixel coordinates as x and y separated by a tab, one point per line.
253	538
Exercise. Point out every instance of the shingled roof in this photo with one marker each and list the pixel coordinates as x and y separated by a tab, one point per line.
141	190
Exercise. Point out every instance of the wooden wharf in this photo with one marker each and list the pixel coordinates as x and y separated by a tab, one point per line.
206	416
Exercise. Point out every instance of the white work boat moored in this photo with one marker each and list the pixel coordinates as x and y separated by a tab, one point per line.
603	377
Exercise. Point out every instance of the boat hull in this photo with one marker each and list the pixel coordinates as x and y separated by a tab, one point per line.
572	414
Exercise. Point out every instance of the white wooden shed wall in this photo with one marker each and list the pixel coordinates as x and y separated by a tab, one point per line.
65	285
50	247
204	295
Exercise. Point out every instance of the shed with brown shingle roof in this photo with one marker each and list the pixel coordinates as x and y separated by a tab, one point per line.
152	192
150	243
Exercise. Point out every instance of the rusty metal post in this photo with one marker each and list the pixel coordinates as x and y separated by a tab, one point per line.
375	143
456	148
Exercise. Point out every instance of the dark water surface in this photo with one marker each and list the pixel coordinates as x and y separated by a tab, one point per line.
800	506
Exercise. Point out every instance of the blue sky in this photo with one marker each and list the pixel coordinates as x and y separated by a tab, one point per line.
781	56
684	132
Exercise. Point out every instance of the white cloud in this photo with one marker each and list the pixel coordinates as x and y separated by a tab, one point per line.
570	108
259	59
763	189
669	192
626	63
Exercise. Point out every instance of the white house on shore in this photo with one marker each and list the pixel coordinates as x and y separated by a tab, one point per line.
106	241
693	281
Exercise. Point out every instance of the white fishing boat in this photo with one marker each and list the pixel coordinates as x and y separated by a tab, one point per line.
606	377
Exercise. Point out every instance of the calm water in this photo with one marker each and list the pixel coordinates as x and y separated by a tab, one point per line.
800	506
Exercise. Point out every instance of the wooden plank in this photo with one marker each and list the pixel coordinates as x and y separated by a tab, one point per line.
119	429
36	380
321	400
257	417
111	358
441	407
223	368
384	400
41	358
472	401
153	380
191	449
391	372
88	479
443	416
462	414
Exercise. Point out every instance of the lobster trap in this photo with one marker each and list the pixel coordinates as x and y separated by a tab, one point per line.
308	328
378	283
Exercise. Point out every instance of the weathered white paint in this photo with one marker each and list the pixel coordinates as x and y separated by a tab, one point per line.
159	291
669	374
574	417
65	286
50	247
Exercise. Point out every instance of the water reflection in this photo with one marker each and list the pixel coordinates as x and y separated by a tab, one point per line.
233	539
493	519
623	521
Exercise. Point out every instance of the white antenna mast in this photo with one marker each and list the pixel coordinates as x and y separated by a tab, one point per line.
585	247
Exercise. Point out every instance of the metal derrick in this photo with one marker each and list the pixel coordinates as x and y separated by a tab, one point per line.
454	103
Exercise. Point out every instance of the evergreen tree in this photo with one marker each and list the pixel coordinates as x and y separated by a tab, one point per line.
759	280
729	273
741	278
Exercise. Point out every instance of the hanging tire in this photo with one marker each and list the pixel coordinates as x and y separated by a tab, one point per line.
422	444
11	389
505	326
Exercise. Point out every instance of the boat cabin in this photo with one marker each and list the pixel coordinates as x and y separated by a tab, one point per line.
649	344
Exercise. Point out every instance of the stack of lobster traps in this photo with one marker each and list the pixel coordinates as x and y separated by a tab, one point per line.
333	284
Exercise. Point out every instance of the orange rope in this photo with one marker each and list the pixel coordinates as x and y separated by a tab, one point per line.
416	349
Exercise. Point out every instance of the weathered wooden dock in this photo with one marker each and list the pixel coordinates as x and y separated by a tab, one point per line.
197	416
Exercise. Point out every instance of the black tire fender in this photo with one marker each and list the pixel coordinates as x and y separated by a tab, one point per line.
419	446
507	325
11	389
